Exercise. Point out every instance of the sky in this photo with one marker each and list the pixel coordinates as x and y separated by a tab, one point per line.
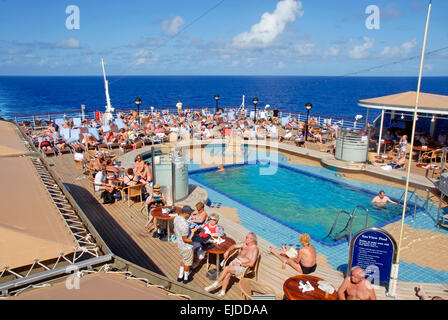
222	37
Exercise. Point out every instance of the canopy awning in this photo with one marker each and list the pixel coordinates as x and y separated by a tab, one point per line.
10	142
405	102
99	286
31	226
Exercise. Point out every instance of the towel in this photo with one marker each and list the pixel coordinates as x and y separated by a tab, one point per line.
218	241
305	286
326	287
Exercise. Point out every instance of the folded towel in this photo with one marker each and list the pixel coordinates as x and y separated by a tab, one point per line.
326	287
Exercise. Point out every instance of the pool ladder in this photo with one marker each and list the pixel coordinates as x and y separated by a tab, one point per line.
417	197
349	222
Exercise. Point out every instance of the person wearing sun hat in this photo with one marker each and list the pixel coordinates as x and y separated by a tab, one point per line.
156	199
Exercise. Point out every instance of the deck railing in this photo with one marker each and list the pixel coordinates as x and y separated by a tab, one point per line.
91	114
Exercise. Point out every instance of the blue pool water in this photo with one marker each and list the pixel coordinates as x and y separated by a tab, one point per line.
220	149
304	202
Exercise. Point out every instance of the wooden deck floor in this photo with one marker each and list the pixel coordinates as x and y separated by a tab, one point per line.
122	228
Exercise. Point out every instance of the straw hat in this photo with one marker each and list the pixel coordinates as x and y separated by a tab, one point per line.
156	187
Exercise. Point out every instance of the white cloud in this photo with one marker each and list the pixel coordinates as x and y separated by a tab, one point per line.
144	56
362	51
305	49
280	65
270	26
70	43
332	51
399	51
171	27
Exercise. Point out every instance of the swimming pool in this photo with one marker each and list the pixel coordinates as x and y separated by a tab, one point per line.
247	153
302	201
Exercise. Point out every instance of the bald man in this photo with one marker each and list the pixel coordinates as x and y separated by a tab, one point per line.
356	287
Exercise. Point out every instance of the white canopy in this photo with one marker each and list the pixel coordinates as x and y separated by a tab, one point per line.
405	101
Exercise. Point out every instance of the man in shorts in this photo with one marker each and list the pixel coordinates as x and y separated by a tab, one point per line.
184	243
247	258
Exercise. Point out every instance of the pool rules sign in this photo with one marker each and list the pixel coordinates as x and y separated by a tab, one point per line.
373	250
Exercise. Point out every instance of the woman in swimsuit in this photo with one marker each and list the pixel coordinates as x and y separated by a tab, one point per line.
305	261
45	145
139	167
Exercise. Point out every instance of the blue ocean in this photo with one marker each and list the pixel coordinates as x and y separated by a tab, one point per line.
334	96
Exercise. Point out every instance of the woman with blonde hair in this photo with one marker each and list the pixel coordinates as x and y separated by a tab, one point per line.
305	260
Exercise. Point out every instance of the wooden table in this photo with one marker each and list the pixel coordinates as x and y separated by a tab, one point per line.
292	291
159	215
381	158
427	167
219	249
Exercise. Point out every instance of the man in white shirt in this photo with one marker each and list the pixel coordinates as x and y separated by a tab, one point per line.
101	182
78	156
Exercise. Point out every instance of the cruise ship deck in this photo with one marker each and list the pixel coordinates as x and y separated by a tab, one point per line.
121	227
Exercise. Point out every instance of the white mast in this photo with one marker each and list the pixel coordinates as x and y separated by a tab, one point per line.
108	115
394	272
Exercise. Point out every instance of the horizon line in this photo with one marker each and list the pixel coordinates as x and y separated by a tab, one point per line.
241	75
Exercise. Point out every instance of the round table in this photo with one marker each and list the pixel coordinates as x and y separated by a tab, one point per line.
428	167
159	215
382	158
219	249
293	292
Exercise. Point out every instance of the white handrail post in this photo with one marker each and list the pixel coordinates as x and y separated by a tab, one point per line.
381	132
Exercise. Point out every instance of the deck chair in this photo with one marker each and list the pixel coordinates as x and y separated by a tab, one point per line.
133	192
253	290
119	122
432	157
77	122
91	179
64	133
59	122
249	270
37	125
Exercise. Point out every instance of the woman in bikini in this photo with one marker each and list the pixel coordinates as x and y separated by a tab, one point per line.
139	167
305	261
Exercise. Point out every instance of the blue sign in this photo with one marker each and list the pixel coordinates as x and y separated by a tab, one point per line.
373	250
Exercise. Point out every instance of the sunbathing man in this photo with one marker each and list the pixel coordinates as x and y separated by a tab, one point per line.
356	287
398	164
381	200
247	258
305	261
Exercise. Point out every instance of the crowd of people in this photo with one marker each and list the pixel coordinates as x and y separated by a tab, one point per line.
194	228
